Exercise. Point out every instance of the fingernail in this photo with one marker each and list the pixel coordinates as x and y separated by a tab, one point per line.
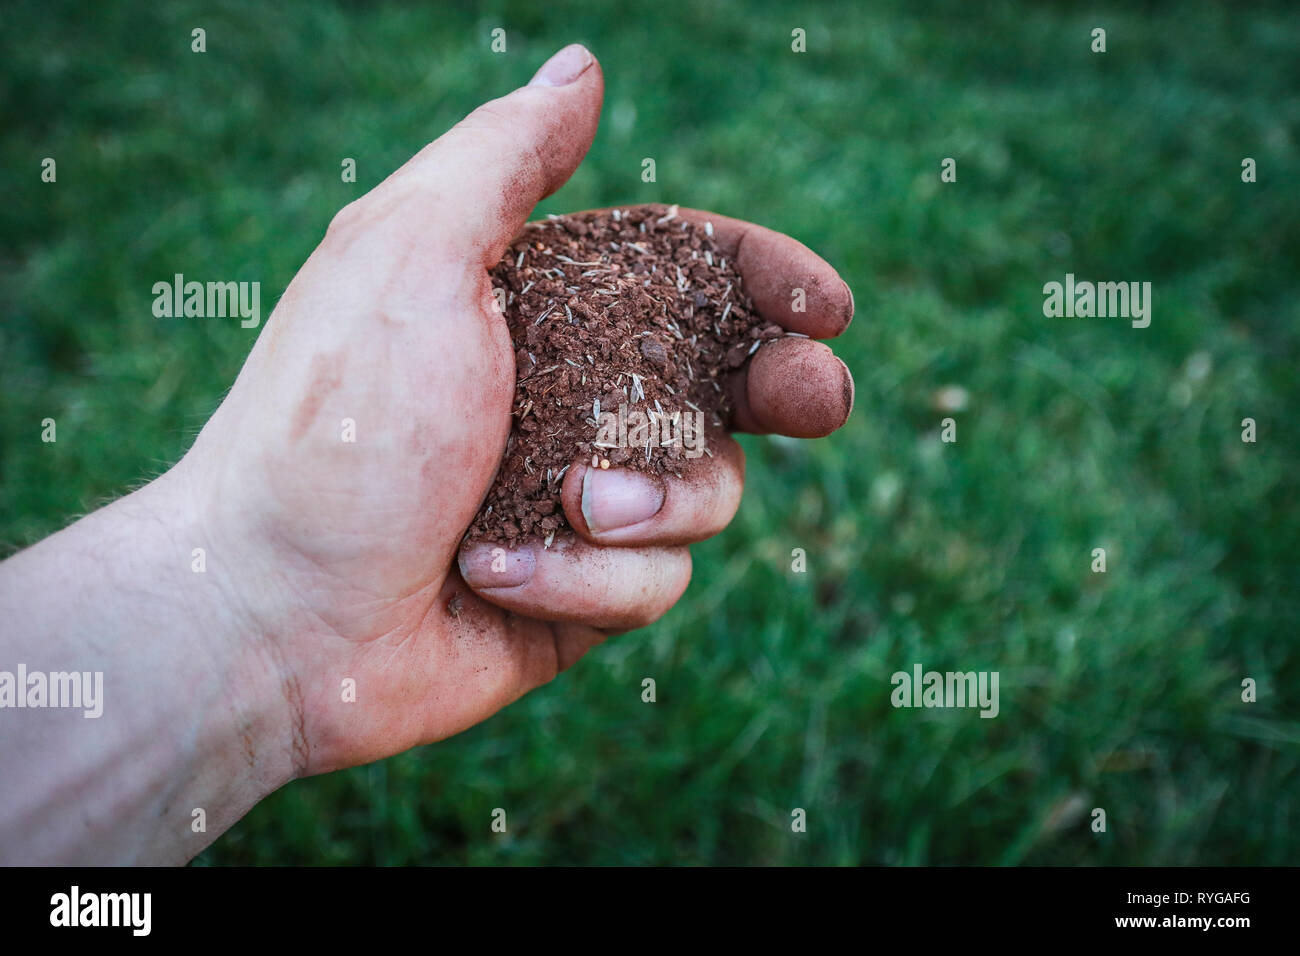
848	392
495	566
564	67
618	498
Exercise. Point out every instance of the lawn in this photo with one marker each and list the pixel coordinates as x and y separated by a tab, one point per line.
1119	690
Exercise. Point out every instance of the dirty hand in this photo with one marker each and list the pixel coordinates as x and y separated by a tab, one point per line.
349	564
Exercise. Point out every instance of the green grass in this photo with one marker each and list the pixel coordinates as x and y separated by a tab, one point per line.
1119	691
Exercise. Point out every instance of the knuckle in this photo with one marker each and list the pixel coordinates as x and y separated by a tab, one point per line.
496	130
345	221
662	588
716	499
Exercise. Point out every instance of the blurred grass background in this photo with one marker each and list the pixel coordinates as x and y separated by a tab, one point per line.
1118	690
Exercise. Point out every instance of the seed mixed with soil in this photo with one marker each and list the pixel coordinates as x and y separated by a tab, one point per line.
612	313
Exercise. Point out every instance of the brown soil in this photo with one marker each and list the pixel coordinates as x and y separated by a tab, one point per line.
632	309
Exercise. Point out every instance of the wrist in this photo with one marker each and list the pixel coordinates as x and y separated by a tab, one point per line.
235	703
228	589
191	726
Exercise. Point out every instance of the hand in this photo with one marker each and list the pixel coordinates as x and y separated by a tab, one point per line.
330	561
348	550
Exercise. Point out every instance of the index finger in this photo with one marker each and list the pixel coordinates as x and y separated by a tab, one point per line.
789	284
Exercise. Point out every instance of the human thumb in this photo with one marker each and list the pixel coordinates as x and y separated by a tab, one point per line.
490	169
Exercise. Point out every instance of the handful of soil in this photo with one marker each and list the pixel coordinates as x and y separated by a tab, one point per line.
625	325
